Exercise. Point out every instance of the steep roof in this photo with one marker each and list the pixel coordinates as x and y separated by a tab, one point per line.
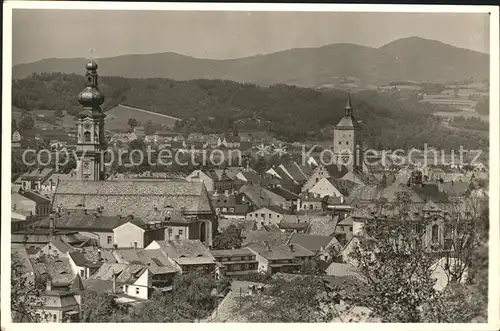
187	251
262	236
77	219
283	193
348	121
126	273
156	261
232	252
144	199
336	171
314	243
280	252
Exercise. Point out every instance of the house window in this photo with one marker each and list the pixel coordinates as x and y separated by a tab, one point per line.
350	228
55	318
82	273
136	290
435	233
270	216
262	215
109	240
126	288
180	232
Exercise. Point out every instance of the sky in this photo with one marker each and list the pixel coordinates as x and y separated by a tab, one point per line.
49	33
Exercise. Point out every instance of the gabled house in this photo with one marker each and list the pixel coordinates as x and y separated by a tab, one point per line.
266	216
32	180
61	301
280	258
324	171
332	187
129	280
319	245
236	262
81	266
138	234
189	255
16	139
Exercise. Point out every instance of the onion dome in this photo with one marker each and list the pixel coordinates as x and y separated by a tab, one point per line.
91	96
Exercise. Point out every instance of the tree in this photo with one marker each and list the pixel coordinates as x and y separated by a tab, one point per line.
26	301
58	113
98	307
192	298
229	238
394	257
26	123
303	299
132	122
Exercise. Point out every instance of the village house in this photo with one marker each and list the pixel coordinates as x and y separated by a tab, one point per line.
32	180
319	245
62	301
236	262
137	234
162	268
229	142
279	258
189	255
130	282
332	188
16	139
229	206
323	171
91	224
266	216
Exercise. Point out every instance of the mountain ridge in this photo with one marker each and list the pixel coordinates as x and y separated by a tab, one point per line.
410	58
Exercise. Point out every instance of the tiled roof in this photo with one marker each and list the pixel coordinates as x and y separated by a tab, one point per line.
322	225
314	243
62	246
232	252
348	121
187	251
345	186
262	236
55	267
39	199
155	260
280	252
92	254
78	258
77	219
337	171
127	273
41	174
284	193
144	199
251	176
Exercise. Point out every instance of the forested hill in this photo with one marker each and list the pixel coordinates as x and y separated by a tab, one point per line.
293	113
406	59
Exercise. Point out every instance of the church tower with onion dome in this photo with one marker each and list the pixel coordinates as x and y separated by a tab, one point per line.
347	140
90	128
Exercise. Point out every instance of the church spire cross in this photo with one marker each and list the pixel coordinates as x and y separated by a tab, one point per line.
348	106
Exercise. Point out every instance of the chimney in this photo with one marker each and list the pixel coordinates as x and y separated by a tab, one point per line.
86	211
48	285
291	247
135	244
